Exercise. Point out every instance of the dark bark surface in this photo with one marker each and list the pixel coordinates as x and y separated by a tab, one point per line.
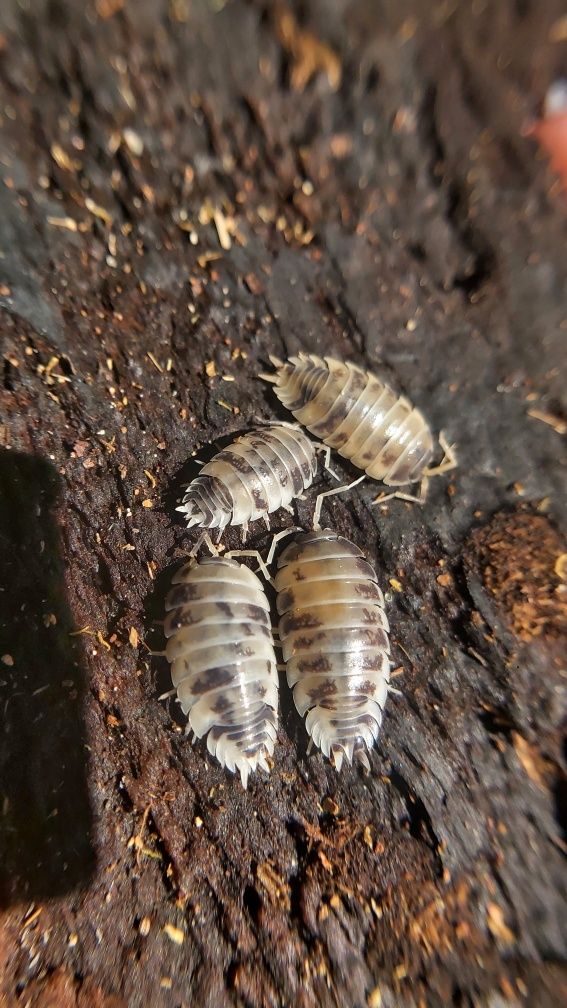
185	188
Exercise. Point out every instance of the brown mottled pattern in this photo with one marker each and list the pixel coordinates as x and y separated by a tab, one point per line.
223	665
251	478
360	416
334	637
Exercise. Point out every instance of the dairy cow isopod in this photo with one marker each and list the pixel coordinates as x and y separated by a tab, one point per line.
334	638
223	665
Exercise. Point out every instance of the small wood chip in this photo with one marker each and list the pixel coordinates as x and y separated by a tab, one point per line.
133	141
144	926
222	230
561	566
253	284
155	362
558	425
7	660
496	924
62	159
175	934
133	637
98	211
63	222
375	998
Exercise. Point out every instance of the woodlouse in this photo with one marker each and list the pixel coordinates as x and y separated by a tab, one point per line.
334	638
258	473
356	413
223	664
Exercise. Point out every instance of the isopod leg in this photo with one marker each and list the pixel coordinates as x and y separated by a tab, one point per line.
168	695
326	451
276	539
401	495
449	460
262	566
204	539
331	493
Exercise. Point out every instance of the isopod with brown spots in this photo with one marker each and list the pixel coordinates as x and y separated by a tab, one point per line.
223	664
258	473
359	415
334	637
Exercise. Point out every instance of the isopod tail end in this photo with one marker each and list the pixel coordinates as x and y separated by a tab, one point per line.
337	757
275	361
193	512
244	768
362	757
273	378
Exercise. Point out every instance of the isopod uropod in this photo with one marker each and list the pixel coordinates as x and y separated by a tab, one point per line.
360	416
334	637
223	664
258	473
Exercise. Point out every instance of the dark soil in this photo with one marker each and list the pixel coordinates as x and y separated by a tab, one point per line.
185	188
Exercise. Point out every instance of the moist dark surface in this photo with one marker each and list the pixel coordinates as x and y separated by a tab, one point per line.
367	164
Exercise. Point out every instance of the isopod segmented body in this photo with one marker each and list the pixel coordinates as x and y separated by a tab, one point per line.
258	473
223	664
334	637
356	413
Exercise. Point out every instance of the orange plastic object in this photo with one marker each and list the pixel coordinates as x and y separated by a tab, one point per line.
551	130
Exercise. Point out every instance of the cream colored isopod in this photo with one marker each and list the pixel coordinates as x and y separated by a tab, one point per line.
223	664
362	418
261	471
334	639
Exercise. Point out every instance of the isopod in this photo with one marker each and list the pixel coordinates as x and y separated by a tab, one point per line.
258	473
334	637
360	416
223	665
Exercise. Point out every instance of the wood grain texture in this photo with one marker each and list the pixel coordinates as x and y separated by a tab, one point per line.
187	187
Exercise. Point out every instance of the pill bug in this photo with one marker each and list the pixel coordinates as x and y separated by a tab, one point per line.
258	473
223	665
356	413
334	637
